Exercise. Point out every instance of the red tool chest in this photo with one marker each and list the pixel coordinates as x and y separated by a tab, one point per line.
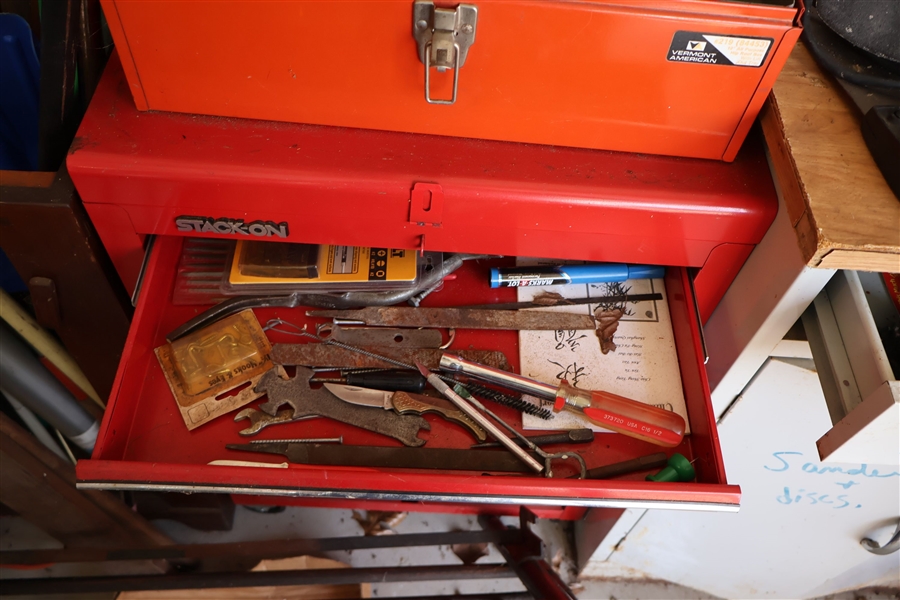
174	175
673	77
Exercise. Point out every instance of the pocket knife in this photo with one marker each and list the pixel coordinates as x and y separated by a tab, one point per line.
404	403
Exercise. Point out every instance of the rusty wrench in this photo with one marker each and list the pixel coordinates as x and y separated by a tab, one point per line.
260	420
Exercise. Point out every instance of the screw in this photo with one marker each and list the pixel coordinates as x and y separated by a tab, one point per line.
468	29
337	440
422	24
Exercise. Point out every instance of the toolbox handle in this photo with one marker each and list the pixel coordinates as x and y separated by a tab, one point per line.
437	31
428	97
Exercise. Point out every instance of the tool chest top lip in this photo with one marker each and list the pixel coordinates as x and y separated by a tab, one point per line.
133	452
181	163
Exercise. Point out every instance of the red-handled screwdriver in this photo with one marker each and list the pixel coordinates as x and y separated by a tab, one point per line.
607	410
622	414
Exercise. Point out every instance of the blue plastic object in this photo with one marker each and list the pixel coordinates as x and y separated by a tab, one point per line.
569	274
20	84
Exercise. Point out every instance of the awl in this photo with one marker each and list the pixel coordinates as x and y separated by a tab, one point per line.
459	318
404	403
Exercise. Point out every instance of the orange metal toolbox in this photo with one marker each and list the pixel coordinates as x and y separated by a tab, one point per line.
673	77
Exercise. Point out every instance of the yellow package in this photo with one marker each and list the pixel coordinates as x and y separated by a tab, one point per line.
338	268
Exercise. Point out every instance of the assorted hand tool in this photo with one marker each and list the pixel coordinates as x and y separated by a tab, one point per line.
467	408
450	263
385	356
608	410
260	420
678	468
295	391
641	463
573	436
517	402
518	437
337	440
445	459
382	336
335	356
392	380
404	403
458	318
547	300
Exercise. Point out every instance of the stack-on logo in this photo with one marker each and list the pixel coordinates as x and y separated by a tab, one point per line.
189	224
713	49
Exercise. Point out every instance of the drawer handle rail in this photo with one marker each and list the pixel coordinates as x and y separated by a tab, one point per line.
875	548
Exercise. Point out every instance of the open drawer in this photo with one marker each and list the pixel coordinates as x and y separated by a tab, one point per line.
144	445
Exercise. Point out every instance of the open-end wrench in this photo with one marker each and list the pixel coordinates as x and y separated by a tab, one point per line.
260	420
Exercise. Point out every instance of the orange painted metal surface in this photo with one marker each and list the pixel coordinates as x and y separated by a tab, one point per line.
592	74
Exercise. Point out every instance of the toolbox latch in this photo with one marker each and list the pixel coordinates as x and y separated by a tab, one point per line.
443	36
426	204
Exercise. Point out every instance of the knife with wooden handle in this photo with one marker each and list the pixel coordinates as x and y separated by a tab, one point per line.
405	403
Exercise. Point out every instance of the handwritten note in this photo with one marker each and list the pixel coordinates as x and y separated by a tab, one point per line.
642	366
817	489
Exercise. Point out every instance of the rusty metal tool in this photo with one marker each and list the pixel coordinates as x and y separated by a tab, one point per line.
641	463
382	336
337	440
305	401
450	263
405	403
574	436
260	420
446	459
311	355
562	301
288	328
459	318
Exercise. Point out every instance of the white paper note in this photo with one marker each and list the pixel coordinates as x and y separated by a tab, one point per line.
643	367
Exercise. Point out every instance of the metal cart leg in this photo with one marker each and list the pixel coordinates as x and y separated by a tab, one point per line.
520	547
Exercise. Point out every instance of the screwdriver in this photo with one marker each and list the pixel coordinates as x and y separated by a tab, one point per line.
618	413
389	380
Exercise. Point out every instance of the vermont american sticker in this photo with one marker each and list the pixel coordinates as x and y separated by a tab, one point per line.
712	49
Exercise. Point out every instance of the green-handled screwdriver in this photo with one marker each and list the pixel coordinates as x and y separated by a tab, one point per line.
678	469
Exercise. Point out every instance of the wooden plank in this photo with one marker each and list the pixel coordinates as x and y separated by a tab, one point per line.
40	487
295	592
860	260
843	211
94	311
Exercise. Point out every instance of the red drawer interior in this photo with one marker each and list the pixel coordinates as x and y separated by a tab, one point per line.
143	443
